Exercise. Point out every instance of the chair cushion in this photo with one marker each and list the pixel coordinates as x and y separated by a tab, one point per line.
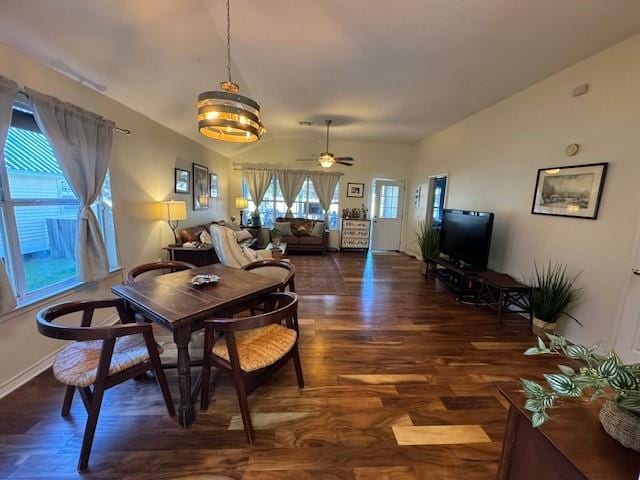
260	347
277	273
77	364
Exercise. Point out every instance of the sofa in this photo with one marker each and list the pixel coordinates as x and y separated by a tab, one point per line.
301	239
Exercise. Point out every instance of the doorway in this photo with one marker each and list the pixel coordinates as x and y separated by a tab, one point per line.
627	343
387	208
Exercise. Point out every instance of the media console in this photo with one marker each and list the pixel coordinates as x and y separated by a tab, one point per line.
463	281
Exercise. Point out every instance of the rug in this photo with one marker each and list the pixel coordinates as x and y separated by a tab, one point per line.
318	275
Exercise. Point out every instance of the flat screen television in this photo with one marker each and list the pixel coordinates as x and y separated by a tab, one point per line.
466	237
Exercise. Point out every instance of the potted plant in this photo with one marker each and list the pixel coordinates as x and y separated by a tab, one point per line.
598	376
256	221
429	242
276	236
553	293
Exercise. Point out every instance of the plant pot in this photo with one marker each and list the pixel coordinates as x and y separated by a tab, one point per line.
540	327
621	424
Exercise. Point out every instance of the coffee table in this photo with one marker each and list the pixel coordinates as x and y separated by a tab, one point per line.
280	252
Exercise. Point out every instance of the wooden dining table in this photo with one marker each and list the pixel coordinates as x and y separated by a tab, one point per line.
172	302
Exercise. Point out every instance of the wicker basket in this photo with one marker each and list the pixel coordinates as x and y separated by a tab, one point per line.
621	424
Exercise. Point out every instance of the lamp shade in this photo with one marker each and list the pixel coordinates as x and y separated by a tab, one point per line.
172	210
241	203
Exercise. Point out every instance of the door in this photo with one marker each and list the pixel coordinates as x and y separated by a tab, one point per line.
628	337
387	215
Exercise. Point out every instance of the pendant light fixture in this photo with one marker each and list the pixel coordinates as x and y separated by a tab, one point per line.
224	114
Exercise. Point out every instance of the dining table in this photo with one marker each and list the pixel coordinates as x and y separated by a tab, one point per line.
171	301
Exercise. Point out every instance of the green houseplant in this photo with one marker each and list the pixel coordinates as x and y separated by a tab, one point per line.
256	221
276	236
596	376
553	294
428	241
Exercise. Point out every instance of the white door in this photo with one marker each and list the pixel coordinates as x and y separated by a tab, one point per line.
628	337
387	215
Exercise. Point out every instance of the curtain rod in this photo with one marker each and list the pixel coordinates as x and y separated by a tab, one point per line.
124	131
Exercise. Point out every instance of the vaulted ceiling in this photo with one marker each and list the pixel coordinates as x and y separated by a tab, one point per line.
391	71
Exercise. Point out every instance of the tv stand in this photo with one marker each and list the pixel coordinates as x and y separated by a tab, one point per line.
464	281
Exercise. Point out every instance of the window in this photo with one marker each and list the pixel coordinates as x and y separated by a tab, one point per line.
39	211
438	189
307	204
389	200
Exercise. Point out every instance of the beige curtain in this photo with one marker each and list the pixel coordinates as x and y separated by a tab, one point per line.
82	142
325	186
290	183
8	92
258	182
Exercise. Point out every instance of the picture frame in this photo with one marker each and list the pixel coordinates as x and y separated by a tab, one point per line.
213	185
200	187
573	191
355	190
182	180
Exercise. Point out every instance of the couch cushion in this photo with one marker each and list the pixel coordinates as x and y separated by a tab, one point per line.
284	228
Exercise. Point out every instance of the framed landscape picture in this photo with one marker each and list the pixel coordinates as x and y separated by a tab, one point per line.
200	187
182	180
355	190
573	191
213	185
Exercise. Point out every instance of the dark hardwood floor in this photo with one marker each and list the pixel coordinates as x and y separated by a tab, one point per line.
399	386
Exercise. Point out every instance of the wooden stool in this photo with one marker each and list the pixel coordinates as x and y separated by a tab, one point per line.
499	291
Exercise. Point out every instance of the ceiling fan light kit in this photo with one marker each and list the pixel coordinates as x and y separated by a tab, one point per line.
225	114
326	158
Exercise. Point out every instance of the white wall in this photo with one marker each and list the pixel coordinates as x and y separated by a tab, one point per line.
493	156
141	173
372	160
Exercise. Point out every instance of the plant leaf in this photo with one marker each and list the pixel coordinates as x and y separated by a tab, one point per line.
532	351
578	352
624	380
532	389
609	368
541	344
568	371
629	401
537	419
562	385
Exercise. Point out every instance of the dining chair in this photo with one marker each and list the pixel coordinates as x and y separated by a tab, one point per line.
170	265
259	343
103	356
281	270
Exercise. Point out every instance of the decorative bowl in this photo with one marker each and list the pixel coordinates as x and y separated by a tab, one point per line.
204	279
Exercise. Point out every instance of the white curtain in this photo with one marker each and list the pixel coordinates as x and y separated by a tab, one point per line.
8	92
290	184
325	186
82	142
258	182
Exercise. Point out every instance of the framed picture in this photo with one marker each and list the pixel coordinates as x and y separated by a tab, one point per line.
182	180
355	190
213	185
200	187
573	191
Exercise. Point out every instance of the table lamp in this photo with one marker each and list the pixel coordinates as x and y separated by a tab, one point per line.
241	204
173	212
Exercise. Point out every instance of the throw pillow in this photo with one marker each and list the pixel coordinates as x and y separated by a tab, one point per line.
243	235
233	226
205	238
250	254
318	229
284	228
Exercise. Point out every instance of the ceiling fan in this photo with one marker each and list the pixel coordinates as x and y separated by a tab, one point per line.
326	159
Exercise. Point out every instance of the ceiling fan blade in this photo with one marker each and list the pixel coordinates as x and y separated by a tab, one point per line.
345	161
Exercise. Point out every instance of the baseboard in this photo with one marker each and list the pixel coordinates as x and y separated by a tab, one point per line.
40	366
